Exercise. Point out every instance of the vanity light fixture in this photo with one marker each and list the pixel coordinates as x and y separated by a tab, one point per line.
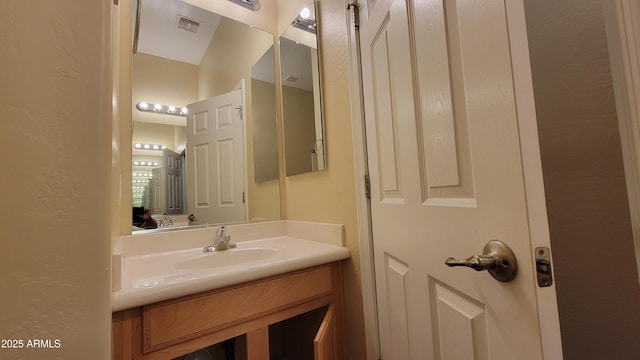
253	5
161	109
304	22
140	146
147	175
145	163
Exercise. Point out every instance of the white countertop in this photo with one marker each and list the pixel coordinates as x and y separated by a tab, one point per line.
145	278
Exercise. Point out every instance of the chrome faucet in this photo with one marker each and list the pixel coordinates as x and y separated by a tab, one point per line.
221	242
169	221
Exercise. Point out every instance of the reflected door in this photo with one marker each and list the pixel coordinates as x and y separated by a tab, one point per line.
215	160
446	178
174	182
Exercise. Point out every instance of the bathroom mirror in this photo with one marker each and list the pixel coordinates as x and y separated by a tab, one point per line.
184	55
304	143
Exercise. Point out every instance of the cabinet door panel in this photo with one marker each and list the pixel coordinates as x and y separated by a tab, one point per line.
324	344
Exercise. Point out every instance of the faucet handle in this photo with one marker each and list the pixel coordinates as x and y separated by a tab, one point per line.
221	232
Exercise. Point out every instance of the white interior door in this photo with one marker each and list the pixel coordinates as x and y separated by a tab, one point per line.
173	168
447	176
215	160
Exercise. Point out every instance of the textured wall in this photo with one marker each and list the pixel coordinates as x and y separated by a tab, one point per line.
597	284
329	196
55	95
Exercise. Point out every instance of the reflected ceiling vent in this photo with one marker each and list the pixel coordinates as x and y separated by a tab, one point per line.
185	23
291	78
249	4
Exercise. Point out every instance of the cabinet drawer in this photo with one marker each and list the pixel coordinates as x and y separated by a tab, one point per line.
177	320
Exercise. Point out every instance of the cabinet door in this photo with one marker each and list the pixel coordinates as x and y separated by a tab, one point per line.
324	345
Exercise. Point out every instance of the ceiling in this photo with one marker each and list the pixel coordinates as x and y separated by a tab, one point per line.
159	34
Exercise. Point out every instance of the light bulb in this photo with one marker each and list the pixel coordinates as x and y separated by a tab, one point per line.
143	105
305	13
157	107
172	108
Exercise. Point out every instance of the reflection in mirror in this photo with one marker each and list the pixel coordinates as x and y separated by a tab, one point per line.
263	90
302	110
186	55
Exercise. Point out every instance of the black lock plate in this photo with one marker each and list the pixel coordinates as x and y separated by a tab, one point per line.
543	267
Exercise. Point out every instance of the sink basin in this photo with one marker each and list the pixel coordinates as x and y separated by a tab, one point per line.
226	258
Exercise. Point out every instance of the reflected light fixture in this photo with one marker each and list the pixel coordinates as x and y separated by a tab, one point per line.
161	109
140	146
145	163
304	22
253	5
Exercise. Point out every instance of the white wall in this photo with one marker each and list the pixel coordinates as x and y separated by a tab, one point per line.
55	95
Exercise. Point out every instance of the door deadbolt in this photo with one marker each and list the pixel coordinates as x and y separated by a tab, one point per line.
497	258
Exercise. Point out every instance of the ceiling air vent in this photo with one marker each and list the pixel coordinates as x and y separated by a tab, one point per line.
291	78
185	23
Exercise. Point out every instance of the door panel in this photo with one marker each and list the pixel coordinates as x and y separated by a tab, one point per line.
226	179
461	323
396	300
174	182
443	106
158	193
446	178
201	176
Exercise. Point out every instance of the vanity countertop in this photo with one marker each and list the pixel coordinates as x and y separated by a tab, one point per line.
146	277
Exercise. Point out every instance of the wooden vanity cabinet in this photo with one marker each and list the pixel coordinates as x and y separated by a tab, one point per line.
172	328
